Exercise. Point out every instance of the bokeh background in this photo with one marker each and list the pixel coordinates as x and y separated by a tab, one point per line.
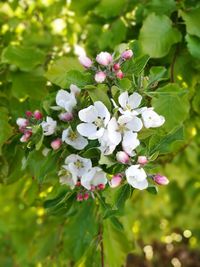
39	42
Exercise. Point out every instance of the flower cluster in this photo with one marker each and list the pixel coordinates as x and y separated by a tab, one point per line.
115	134
106	67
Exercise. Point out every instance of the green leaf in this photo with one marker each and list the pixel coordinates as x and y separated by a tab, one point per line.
191	18
122	195
135	66
193	44
28	85
100	93
6	129
171	98
161	6
157	35
152	189
157	73
164	144
111	8
26	58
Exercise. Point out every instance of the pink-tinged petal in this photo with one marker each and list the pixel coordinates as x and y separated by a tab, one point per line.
100	77
85	61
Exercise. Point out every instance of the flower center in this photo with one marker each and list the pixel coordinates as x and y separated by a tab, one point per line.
99	122
79	164
122	128
72	135
128	107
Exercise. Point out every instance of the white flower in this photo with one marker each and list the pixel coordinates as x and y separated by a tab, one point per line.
129	103
66	178
95	118
151	119
104	58
100	77
21	122
94	177
136	177
124	130
74	89
74	139
77	166
106	145
65	100
49	126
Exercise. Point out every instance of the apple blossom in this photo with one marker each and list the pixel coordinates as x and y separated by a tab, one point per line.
74	139
142	160
66	116
122	157
77	166
49	126
124	130
66	178
136	177
104	58
65	100
26	136
116	180
129	104
100	77
37	115
106	145
56	144
151	119
95	119
85	61
127	54
160	179
94	177
22	123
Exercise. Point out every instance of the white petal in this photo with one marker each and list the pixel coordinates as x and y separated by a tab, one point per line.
65	100
130	142
152	119
134	100
135	124
74	89
136	177
102	111
123	99
87	178
141	185
78	143
88	114
113	134
88	130
99	177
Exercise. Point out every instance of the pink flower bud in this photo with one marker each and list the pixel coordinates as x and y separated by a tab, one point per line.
119	74
37	115
116	66
160	179
101	186
127	54
22	123
92	188
86	196
100	77
28	113
142	160
25	137
66	116
56	144
116	180
104	58
85	61
122	157
79	197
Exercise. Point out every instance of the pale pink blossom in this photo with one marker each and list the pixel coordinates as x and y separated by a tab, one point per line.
37	115
104	58
142	160
85	61
122	157
56	144
116	180
127	54
160	179
100	77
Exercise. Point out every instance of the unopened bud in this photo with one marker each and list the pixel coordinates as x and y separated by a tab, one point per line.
116	66
100	77
122	157
66	116
28	113
142	160
160	179
101	186
104	58
25	137
86	196
127	54
119	74
78	184
79	197
37	115
56	144
85	61
116	180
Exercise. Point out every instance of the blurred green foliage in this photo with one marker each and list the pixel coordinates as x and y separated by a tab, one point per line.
39	41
